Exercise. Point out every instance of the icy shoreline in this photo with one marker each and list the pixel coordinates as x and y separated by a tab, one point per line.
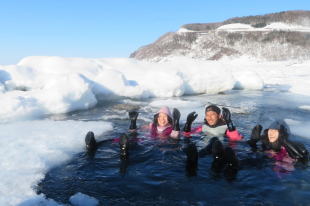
30	148
39	86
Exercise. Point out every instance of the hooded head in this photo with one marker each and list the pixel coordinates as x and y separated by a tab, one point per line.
165	110
282	127
277	132
212	115
163	117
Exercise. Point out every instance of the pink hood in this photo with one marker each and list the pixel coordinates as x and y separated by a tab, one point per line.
166	111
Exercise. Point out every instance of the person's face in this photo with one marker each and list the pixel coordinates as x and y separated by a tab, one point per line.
162	119
212	117
273	135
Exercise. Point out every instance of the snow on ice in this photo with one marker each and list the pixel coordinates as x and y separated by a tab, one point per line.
38	86
30	148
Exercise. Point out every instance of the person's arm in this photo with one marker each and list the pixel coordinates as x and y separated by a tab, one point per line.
189	120
194	130
133	115
231	132
296	150
255	136
234	135
176	126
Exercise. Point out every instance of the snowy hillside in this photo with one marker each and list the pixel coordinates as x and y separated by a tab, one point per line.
273	37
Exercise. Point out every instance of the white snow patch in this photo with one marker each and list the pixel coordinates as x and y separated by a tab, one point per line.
305	107
30	148
80	199
40	200
184	30
39	86
248	80
235	26
288	27
275	26
301	129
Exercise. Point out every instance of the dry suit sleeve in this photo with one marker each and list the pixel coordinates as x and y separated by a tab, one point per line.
234	135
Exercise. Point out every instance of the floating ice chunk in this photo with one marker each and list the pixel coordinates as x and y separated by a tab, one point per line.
80	199
248	80
305	107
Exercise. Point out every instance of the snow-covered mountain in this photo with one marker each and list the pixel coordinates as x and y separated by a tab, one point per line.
277	36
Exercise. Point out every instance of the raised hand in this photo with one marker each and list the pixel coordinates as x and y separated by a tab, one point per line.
226	114
190	119
255	135
133	115
176	117
227	117
256	132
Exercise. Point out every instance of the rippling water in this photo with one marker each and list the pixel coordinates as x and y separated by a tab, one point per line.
155	172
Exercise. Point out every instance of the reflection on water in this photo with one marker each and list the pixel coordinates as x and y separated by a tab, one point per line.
157	172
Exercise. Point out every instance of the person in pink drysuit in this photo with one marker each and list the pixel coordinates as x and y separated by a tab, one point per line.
164	123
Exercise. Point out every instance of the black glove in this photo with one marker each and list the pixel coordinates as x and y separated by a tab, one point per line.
176	117
133	115
190	118
90	141
227	117
296	150
255	135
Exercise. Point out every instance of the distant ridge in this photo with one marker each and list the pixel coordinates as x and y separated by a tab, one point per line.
274	37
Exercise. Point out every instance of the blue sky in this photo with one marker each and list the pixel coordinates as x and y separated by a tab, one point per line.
110	28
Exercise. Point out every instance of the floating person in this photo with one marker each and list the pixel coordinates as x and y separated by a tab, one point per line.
217	125
122	140
164	123
275	141
166	126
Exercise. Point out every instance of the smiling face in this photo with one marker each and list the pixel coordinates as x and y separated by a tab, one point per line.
162	119
273	135
212	117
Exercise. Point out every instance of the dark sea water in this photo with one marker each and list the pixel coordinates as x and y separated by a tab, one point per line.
155	171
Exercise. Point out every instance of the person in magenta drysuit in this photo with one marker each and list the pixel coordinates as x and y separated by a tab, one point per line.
164	123
276	144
